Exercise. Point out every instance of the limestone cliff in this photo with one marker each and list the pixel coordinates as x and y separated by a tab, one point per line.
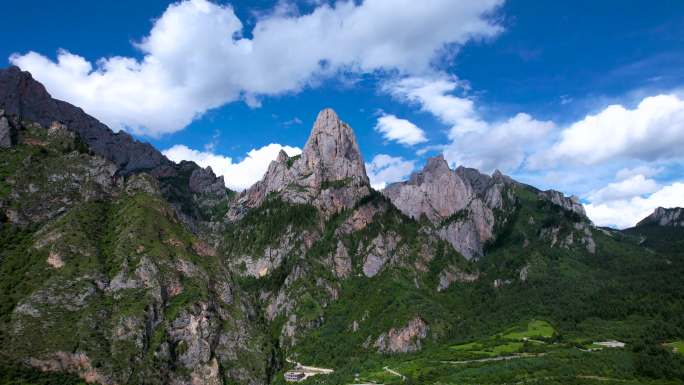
329	174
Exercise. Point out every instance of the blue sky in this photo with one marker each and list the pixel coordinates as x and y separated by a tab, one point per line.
581	96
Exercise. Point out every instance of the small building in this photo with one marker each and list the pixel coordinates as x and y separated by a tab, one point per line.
294	376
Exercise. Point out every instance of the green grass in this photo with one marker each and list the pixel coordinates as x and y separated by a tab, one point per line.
535	329
677	346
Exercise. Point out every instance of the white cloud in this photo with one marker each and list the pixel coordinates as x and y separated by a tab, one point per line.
500	145
400	130
434	95
240	175
384	169
475	142
636	185
624	213
653	130
196	56
645	170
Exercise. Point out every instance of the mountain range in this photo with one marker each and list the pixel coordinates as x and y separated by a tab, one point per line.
119	266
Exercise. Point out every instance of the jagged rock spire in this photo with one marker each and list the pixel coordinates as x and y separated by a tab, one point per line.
330	174
332	149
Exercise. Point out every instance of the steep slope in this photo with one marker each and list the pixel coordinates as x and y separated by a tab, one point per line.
23	97
329	174
466	208
663	231
101	268
24	100
664	217
161	276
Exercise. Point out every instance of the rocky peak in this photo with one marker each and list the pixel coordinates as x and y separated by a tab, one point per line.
460	204
477	180
329	174
203	180
282	156
571	203
332	151
26	99
665	217
435	191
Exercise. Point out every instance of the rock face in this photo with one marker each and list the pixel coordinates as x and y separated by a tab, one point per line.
204	181
329	174
571	203
27	99
404	340
665	217
5	131
436	192
460	204
23	99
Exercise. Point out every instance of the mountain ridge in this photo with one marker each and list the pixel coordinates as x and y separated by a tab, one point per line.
163	276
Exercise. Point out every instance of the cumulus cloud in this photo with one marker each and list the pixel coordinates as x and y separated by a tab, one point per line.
624	213
474	141
384	169
645	170
400	130
636	185
197	56
238	175
653	130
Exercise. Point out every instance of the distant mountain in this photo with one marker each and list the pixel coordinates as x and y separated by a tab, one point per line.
118	266
664	217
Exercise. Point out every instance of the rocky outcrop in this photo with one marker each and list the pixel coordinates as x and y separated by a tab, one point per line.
404	340
459	203
664	217
5	131
329	174
204	181
571	203
451	274
78	363
378	253
436	192
28	100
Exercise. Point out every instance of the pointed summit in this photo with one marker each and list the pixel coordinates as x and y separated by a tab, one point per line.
332	149
330	174
664	217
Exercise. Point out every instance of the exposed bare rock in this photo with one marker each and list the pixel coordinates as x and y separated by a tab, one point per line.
571	203
55	260
451	274
5	131
459	203
271	257
77	363
436	192
27	99
361	217
142	183
329	174
665	217
380	251
192	333
524	272
342	261
204	181
404	340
